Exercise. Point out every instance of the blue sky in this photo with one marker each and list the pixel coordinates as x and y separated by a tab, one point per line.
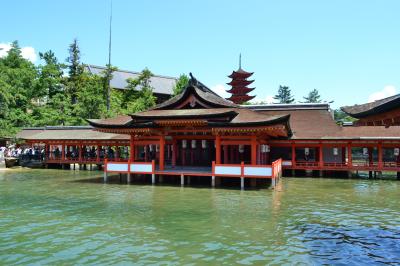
348	50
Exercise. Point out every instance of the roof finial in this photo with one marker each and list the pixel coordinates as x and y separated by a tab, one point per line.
240	61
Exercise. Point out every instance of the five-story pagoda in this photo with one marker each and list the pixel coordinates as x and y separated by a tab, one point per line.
240	85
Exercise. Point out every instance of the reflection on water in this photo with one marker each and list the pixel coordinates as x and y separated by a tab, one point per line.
52	216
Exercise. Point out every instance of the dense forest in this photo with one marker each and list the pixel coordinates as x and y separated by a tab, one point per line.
62	93
58	92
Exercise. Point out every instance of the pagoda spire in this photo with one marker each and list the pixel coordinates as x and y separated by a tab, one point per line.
239	91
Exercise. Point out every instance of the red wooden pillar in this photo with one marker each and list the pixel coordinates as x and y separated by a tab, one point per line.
293	155
63	151
98	153
253	150
80	152
225	154
162	151
218	149
132	149
343	155
46	151
380	156
174	150
370	158
349	155
321	156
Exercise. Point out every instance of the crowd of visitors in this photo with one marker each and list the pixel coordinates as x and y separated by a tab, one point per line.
24	153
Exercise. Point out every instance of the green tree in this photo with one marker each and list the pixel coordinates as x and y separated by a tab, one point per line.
17	88
91	104
75	69
181	84
51	79
313	97
341	117
284	95
139	94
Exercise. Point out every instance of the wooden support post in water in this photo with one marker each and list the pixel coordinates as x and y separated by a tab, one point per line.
105	177
128	178
153	179
182	180
188	180
213	181
242	183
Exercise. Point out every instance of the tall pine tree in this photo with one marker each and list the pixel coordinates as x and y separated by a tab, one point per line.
284	95
75	69
313	97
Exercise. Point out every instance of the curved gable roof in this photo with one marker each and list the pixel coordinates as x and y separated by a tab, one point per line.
366	109
202	92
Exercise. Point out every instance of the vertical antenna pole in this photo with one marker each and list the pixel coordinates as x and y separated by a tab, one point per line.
109	62
240	60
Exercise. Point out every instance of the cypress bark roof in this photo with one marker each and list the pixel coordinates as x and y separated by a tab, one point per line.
67	133
379	106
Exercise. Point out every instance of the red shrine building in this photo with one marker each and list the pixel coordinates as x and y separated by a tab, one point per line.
200	134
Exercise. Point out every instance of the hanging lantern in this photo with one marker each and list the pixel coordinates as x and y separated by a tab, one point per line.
396	151
184	143
335	151
193	144
157	148
307	151
204	144
365	151
241	148
262	148
267	148
151	148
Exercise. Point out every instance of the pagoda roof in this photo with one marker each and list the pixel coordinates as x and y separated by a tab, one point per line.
376	107
240	73
236	90
240	82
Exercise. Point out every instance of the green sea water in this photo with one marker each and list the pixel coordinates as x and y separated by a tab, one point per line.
53	217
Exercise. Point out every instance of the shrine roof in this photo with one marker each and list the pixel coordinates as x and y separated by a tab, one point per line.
378	106
202	91
366	132
185	113
160	84
67	133
307	121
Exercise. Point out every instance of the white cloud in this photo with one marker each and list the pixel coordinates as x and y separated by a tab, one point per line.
267	100
26	52
387	91
29	53
220	89
4	48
